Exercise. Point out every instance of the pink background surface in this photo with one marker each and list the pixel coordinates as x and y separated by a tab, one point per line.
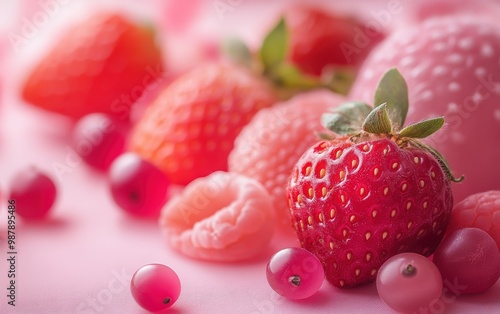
81	259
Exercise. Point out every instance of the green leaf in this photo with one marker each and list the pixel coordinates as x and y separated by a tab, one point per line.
274	47
393	91
288	75
236	50
422	129
346	119
378	122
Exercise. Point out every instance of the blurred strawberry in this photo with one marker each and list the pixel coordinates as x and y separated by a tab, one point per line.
309	48
452	69
189	130
102	64
319	39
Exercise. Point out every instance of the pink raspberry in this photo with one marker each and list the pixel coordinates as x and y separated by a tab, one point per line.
481	210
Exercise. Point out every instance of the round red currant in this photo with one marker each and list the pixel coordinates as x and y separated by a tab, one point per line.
408	281
34	193
295	273
470	257
98	139
137	186
155	287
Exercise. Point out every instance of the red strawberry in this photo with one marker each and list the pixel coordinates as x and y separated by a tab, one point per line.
364	197
189	130
102	64
319	39
268	147
452	70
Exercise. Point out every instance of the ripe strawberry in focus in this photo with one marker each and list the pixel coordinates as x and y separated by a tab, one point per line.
374	191
268	147
319	40
189	130
102	64
452	69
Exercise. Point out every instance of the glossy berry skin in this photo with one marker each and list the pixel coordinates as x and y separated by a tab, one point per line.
356	205
137	186
452	72
155	287
34	193
269	146
189	130
408	282
101	64
481	210
470	257
98	139
295	273
320	39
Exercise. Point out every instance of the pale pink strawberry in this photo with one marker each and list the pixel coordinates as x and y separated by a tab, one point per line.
452	68
481	210
269	146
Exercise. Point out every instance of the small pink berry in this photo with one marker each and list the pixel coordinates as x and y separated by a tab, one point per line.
137	186
34	193
469	257
98	139
155	287
295	273
408	281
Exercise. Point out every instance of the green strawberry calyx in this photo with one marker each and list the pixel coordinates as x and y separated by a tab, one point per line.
361	122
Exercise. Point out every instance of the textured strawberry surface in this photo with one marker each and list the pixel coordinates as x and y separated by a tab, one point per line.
190	129
102	64
481	210
270	145
453	71
356	205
